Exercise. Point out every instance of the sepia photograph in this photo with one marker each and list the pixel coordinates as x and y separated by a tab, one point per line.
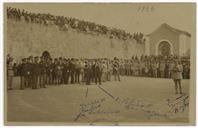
99	63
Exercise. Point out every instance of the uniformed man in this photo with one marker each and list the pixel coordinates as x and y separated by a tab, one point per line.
162	68
10	73
35	73
92	70
177	76
55	71
47	66
170	68
27	73
51	67
42	77
59	69
115	69
31	72
82	73
98	72
65	71
77	71
72	69
109	70
104	71
154	67
22	68
87	72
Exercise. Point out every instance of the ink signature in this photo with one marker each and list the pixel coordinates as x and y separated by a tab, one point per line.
87	107
178	104
136	104
93	107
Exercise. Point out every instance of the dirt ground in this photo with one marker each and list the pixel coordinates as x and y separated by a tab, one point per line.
133	100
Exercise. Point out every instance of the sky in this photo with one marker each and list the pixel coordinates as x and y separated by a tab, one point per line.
133	17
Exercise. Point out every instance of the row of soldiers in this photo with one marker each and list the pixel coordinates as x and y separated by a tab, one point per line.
37	72
152	68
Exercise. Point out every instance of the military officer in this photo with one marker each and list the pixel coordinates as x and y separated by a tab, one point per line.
98	72
177	76
35	73
10	72
42	73
115	69
162	68
22	68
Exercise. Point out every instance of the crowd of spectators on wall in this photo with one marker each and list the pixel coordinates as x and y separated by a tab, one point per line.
66	23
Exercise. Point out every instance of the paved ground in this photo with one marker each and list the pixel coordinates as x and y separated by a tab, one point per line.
133	99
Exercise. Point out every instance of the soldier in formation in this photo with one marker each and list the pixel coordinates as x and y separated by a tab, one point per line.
36	72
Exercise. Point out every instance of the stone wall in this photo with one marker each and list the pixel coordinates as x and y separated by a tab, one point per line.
24	39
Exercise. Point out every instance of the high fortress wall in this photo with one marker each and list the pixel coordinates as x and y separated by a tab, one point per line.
25	38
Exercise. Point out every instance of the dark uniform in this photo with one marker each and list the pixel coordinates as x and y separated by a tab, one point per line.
42	74
87	71
35	73
66	72
72	70
10	73
49	70
93	72
22	73
98	72
115	70
29	73
77	71
54	73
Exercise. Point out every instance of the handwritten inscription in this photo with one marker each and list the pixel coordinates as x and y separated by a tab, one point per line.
178	104
136	104
94	107
91	106
167	108
102	111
